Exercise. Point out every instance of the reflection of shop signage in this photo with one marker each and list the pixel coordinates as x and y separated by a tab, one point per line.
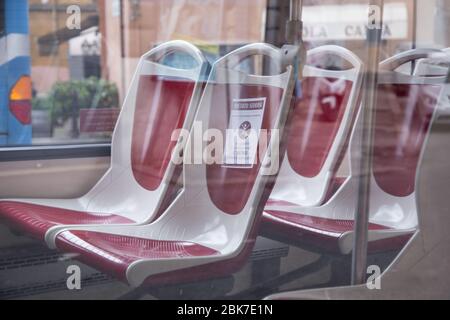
348	22
316	32
242	136
98	120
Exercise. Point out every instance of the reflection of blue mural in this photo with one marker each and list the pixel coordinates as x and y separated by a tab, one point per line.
14	64
181	60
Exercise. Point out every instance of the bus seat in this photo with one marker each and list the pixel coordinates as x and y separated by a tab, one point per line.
141	178
210	229
321	126
405	109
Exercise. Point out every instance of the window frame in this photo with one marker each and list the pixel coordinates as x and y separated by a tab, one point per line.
55	152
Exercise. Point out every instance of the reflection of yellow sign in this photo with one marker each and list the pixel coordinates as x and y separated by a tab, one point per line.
202	45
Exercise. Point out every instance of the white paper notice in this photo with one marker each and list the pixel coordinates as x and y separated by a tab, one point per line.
242	136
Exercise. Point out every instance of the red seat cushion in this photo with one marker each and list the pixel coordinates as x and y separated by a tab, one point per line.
320	233
230	188
403	118
315	124
161	108
36	220
113	254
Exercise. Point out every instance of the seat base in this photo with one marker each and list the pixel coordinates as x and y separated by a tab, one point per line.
114	254
321	234
36	220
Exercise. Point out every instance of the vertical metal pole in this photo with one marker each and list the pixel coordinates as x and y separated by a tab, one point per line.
295	10
294	27
122	49
294	37
359	261
414	35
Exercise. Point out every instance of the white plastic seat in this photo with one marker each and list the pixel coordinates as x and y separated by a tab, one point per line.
141	178
424	68
320	129
210	228
405	109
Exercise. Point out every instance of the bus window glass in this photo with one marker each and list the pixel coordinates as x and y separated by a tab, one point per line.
92	110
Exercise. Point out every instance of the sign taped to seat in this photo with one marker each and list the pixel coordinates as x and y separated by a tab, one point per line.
242	136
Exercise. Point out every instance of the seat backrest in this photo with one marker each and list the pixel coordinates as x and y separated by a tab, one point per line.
436	65
322	122
425	68
405	109
225	189
160	99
